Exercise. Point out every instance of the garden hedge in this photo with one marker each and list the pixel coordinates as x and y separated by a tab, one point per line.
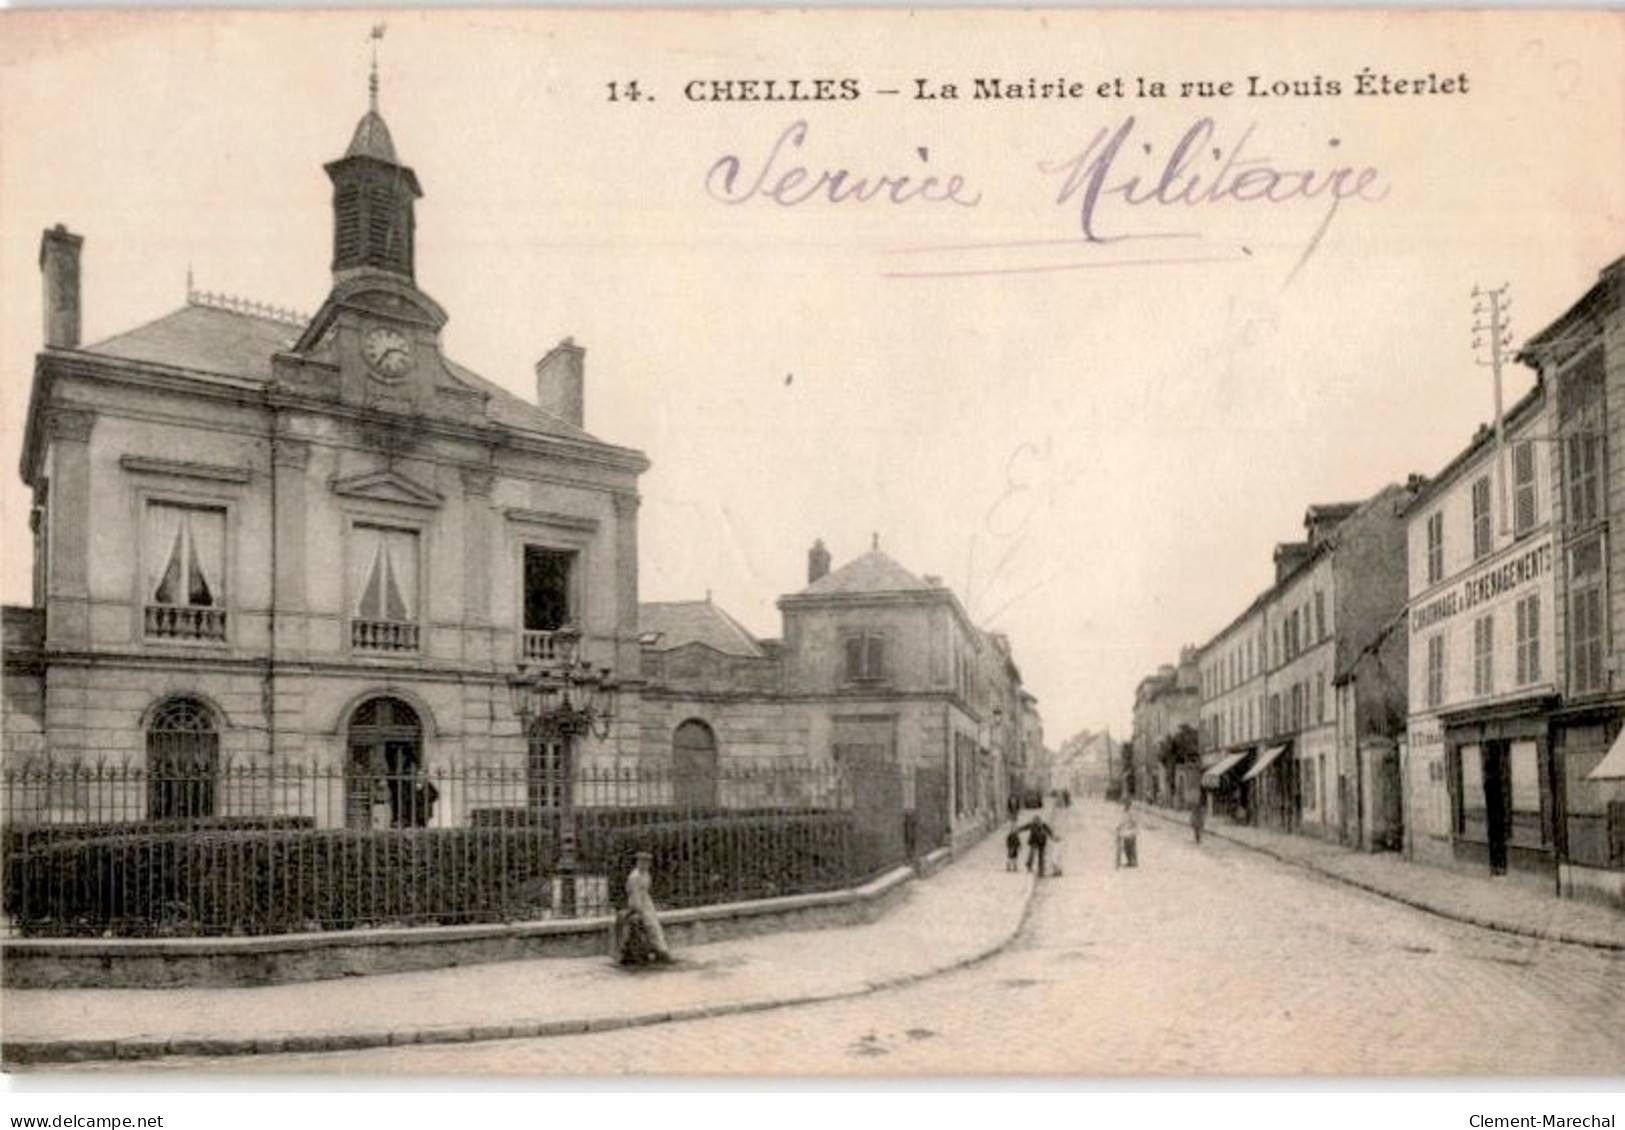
268	881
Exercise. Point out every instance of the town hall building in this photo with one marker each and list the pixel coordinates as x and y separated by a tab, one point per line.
265	540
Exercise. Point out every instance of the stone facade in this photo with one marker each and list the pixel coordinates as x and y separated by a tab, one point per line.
1164	703
1483	653
278	519
873	663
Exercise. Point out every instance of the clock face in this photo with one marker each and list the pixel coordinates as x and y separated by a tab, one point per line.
387	351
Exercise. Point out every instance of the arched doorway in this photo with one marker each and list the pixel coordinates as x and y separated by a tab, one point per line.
694	765
183	759
383	782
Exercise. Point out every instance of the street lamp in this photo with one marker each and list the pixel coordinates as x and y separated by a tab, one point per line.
561	699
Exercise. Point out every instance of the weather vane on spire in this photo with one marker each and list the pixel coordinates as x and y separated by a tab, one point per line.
372	80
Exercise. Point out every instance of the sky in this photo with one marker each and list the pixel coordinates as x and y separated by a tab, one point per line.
1096	444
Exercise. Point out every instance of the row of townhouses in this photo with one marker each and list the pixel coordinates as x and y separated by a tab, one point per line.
262	538
1439	669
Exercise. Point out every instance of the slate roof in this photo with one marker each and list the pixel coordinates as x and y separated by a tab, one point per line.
372	139
679	622
205	337
217	340
873	572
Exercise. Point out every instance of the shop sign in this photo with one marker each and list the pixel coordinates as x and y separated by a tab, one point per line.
1485	585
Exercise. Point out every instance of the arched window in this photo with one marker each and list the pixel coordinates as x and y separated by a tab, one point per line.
183	759
384	785
694	765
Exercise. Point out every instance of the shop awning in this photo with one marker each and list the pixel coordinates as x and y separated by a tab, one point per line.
1212	776
1611	767
1264	762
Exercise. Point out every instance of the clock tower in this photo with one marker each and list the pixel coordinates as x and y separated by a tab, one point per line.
377	332
373	195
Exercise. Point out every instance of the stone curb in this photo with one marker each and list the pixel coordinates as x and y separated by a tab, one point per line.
26	1053
1407	900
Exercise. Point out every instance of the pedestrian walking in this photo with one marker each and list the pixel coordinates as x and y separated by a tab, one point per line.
1199	817
1012	805
1039	835
1128	840
1012	850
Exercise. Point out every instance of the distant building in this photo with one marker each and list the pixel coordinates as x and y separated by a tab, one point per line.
1272	736
1164	702
1085	763
875	666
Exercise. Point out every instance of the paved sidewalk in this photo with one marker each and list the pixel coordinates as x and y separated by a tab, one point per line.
968	911
1506	904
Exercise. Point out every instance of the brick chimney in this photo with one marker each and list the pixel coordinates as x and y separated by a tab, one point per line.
560	377
817	561
59	268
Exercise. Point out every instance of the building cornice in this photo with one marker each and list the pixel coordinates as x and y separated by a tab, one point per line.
215	472
261	394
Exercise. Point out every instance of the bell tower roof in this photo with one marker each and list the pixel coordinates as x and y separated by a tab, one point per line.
371	139
373	195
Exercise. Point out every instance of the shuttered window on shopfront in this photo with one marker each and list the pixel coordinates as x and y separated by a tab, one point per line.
1585	634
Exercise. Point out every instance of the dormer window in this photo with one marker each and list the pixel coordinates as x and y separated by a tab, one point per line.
865	657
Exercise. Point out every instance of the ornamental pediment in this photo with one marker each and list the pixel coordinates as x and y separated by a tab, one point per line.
387	486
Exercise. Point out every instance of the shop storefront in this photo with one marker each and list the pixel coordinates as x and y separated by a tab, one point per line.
1221	783
1272	789
1502	796
1589	767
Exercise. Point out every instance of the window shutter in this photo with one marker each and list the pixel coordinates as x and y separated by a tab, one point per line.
854	657
876	667
1523	477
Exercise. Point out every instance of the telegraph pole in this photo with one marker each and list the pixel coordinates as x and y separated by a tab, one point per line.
1492	333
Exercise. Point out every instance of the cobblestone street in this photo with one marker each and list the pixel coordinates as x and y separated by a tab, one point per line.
1202	961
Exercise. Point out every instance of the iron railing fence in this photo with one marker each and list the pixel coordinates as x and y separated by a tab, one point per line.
212	847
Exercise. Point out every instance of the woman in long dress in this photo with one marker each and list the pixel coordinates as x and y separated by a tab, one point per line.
640	902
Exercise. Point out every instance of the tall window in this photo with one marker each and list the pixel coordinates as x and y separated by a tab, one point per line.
384	586
547	599
185	555
1524	503
1275	714
1320	697
1528	612
183	754
1484	655
1586	631
1581	423
1320	615
1435	688
865	657
1584	469
1435	547
1482	542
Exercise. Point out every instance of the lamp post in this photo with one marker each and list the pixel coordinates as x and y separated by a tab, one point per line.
560	699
